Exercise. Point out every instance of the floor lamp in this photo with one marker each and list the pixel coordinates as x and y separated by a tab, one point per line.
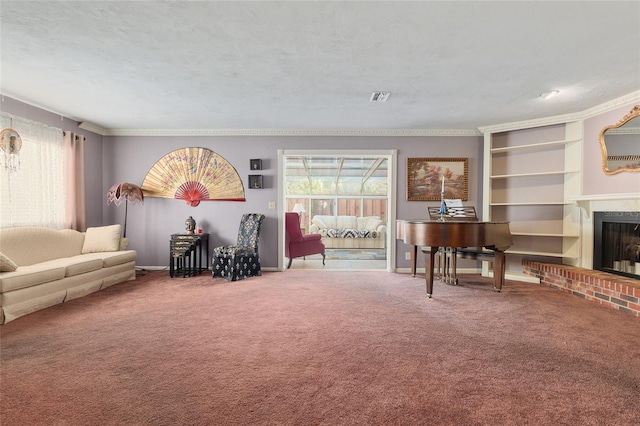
299	208
126	192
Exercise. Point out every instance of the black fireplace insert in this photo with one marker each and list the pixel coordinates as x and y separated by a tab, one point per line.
616	245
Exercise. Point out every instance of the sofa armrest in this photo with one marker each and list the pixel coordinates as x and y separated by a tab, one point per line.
124	244
313	229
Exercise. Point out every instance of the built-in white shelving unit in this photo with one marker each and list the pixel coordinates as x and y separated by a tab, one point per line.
531	173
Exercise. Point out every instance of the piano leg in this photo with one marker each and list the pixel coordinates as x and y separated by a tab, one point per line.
413	259
430	263
453	277
498	270
440	262
446	262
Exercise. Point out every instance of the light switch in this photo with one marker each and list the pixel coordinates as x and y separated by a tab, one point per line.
272	205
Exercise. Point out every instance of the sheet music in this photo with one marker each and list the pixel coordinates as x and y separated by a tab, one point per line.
454	207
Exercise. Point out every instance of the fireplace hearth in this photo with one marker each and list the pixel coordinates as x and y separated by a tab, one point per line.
616	247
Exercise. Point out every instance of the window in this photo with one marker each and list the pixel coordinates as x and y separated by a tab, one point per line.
34	193
337	185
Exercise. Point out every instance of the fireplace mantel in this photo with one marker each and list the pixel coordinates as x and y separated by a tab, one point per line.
607	202
601	202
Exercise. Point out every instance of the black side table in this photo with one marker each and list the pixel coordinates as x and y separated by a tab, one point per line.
186	253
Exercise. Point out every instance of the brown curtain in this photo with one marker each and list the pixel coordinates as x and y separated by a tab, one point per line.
76	214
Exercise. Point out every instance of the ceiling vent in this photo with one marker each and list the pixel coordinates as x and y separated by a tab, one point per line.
379	96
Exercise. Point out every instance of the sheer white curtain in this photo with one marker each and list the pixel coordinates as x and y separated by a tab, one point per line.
34	194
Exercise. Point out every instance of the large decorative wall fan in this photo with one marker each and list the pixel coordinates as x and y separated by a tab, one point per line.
193	174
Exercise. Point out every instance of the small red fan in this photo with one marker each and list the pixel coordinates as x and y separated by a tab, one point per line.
192	193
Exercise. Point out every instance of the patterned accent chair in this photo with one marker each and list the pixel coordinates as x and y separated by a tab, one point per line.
241	260
297	244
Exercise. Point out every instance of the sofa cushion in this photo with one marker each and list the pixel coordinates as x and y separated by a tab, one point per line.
28	276
119	258
323	221
369	222
113	258
30	245
78	265
102	239
6	264
346	222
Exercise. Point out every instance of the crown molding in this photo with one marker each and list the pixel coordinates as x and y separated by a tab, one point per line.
620	102
565	118
538	122
280	132
85	125
546	121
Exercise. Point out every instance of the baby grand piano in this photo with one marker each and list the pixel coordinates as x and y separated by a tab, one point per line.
435	234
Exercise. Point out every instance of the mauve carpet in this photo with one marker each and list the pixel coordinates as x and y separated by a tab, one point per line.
321	348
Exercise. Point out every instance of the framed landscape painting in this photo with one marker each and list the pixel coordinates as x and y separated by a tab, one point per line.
428	177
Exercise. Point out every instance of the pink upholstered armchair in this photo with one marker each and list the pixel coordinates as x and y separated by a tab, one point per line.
297	244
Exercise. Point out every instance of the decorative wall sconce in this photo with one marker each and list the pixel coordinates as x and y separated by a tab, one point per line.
255	181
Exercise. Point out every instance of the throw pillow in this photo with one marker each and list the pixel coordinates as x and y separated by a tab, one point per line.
320	222
101	239
6	264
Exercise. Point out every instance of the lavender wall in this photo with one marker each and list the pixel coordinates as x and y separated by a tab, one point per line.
111	160
149	225
594	180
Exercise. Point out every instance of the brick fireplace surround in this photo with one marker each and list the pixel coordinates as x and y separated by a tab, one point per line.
609	290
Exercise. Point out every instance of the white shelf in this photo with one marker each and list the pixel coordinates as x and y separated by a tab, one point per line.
559	172
532	146
544	234
542	253
540	203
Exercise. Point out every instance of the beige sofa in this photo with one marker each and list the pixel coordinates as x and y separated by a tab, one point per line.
41	267
350	231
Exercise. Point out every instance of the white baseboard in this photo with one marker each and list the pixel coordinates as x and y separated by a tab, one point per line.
421	271
153	268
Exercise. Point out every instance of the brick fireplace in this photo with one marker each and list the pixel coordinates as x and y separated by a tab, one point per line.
606	289
606	271
589	205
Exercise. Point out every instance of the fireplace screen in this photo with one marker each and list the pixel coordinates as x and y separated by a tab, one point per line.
617	243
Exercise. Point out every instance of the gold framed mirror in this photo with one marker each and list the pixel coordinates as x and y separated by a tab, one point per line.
620	144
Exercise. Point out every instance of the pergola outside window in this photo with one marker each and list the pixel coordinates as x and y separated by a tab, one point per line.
339	185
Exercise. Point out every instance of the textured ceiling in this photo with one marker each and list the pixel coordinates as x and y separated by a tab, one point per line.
313	65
